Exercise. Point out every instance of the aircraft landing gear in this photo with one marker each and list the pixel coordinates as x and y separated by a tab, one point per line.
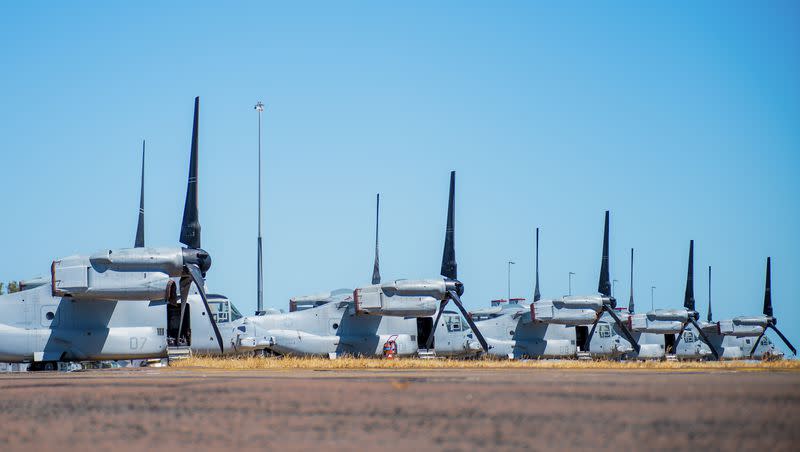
48	366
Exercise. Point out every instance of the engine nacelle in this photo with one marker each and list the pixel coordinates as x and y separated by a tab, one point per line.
567	311
399	300
436	288
164	260
76	277
661	321
743	326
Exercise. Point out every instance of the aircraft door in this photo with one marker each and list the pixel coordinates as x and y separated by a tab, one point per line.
581	332
424	330
173	322
669	344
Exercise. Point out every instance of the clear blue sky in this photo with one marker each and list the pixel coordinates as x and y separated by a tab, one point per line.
682	119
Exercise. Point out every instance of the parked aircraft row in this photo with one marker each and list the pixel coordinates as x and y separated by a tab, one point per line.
145	302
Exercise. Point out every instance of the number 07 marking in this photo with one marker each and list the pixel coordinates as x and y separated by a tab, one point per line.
137	343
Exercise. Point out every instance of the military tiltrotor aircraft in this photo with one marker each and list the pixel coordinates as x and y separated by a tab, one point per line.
511	332
673	322
119	303
401	312
607	338
728	346
597	311
744	328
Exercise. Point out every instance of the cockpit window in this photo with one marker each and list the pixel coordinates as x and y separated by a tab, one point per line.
604	330
766	340
223	310
453	323
235	314
688	336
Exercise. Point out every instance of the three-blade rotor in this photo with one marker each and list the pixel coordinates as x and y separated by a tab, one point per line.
449	271
689	304
196	261
609	302
769	313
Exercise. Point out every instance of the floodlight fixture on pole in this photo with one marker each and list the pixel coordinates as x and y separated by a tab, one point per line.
259	107
571	274
510	263
652	303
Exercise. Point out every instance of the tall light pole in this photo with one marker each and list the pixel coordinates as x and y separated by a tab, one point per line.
570	282
510	263
259	107
652	303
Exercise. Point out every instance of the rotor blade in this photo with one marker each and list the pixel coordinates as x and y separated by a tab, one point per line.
705	338
457	301
185	283
197	277
622	326
785	341
429	342
678	339
536	295
709	294
449	266
688	297
768	292
190	228
630	302
139	243
376	269
604	285
753	350
588	341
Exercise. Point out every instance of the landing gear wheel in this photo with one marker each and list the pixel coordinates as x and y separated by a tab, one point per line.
49	366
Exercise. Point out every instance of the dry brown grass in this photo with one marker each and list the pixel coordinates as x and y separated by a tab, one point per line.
348	363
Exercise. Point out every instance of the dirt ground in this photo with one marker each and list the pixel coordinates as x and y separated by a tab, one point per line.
419	410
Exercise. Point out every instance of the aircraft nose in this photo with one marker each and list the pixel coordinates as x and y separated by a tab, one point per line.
624	348
474	346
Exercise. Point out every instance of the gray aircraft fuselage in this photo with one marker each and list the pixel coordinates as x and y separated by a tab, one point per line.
729	344
511	334
403	311
38	326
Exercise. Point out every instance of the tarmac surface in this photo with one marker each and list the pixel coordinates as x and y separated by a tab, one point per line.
496	409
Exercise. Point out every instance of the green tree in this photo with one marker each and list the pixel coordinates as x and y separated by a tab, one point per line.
13	287
1	288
